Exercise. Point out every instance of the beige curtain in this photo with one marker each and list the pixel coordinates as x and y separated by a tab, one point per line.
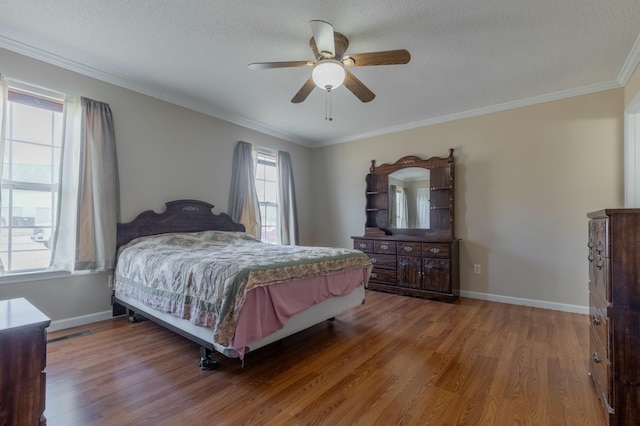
88	206
393	212
287	200
243	199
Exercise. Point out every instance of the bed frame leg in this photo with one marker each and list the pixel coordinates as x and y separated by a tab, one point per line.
133	319
206	362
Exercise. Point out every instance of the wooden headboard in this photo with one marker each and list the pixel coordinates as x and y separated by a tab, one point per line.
180	216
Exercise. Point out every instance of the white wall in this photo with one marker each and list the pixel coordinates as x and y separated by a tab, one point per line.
525	179
165	152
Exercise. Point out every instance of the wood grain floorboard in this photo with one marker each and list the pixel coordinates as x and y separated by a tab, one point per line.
393	361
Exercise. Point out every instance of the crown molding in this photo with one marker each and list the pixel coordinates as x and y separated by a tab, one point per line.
630	64
476	112
59	61
12	45
626	72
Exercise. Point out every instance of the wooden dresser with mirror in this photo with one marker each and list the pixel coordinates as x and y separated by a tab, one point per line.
409	229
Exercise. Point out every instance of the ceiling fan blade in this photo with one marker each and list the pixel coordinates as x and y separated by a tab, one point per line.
314	49
323	35
356	87
304	91
267	65
387	57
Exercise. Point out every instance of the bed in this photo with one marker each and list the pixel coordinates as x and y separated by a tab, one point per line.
198	274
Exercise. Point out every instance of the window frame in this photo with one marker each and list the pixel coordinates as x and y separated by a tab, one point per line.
53	103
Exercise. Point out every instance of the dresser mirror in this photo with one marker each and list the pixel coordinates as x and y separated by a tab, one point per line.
409	198
412	196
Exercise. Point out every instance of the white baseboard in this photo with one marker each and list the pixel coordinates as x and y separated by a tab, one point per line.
78	321
526	302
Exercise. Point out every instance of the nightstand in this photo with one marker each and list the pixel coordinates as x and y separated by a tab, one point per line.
23	352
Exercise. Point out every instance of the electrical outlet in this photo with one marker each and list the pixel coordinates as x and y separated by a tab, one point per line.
477	270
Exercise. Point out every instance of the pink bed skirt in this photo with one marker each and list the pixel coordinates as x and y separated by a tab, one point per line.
267	309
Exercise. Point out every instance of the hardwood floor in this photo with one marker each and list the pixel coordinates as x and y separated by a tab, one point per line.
394	361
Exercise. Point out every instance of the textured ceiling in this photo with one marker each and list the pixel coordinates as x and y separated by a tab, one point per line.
468	56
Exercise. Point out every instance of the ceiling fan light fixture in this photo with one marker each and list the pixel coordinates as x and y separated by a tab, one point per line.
328	74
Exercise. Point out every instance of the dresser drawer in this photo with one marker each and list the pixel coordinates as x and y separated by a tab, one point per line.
435	250
409	249
599	236
599	267
384	261
383	276
363	245
600	370
384	247
600	323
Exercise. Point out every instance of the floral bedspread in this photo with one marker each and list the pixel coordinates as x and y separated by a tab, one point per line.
204	276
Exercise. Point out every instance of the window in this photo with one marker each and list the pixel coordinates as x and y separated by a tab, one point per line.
267	190
33	140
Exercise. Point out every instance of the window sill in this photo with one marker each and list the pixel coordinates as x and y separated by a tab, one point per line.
40	276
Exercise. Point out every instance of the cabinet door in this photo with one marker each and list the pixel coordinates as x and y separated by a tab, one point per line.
437	275
409	271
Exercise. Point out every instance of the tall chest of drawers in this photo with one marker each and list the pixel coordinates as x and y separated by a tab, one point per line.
427	268
22	361
614	303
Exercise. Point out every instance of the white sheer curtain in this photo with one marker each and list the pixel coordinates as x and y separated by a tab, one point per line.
403	209
88	203
287	200
243	199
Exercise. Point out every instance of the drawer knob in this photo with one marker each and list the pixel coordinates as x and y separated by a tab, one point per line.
363	245
408	249
374	260
374	275
384	246
596	357
595	319
435	250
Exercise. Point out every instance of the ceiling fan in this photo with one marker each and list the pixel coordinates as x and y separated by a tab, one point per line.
330	69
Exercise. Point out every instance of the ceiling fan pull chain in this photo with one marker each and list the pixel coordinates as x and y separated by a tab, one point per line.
327	106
